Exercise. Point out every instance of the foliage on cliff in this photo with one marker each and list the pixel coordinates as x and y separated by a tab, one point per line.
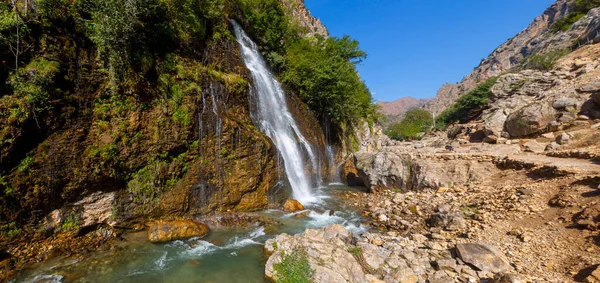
467	106
416	121
580	9
321	70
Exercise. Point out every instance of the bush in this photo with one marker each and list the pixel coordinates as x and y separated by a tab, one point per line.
294	268
580	9
544	61
467	106
416	121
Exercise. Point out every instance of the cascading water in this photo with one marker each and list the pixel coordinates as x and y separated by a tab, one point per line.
275	119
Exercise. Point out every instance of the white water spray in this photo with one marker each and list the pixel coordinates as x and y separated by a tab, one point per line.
276	121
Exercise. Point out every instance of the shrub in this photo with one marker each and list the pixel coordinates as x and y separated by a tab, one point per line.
580	9
417	120
294	268
544	61
467	106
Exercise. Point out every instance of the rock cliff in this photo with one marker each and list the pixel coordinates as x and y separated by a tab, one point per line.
537	38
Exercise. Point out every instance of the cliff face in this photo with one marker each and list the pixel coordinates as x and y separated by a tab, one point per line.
536	38
175	140
302	16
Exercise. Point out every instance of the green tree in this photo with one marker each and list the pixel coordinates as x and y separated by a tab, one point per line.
416	121
467	106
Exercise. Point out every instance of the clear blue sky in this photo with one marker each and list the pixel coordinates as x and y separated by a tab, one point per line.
415	46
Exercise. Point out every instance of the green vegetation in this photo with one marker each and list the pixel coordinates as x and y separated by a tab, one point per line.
69	224
10	230
467	106
416	121
294	268
355	251
544	61
580	9
321	70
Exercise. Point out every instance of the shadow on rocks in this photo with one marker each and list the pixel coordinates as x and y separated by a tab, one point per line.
584	273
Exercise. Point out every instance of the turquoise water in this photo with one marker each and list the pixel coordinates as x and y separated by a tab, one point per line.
225	255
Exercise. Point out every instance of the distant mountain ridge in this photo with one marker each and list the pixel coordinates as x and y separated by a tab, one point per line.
394	111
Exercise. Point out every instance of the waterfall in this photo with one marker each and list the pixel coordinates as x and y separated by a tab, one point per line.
276	121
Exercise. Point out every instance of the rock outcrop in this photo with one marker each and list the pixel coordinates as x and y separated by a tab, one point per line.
164	231
394	111
337	256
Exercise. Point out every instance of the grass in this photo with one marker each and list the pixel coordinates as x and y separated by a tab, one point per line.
355	251
294	268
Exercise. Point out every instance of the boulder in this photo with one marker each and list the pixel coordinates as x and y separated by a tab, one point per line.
447	220
596	98
565	104
292	205
326	250
484	257
554	126
530	119
552	146
164	231
592	87
563	138
567	117
382	170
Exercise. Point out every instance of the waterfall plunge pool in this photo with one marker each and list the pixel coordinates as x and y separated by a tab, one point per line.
224	255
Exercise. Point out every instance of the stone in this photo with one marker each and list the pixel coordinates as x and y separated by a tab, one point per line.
565	104
292	205
508	278
302	214
552	146
97	208
583	118
447	220
530	119
446	264
491	139
164	231
548	135
534	146
327	245
484	257
562	138
554	126
372	279
592	87
382	218
595	126
567	117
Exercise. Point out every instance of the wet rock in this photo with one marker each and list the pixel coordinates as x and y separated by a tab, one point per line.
292	205
164	231
302	214
484	257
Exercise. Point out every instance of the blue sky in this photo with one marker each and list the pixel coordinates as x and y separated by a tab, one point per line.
415	46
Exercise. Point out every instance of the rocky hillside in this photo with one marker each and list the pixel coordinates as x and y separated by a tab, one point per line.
546	33
394	111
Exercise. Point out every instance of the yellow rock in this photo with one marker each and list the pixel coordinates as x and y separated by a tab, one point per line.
292	205
164	231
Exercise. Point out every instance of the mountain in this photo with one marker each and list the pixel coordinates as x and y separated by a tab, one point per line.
552	30
394	111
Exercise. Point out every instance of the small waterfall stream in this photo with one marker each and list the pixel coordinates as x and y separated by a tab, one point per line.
276	121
